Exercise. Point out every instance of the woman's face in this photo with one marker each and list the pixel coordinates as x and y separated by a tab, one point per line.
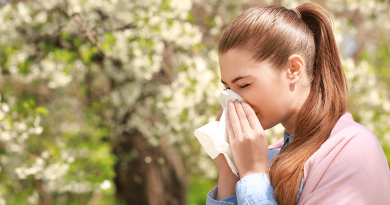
265	90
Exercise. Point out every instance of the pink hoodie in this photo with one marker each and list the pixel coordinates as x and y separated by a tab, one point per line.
349	168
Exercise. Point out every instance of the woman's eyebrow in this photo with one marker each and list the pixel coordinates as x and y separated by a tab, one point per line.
236	79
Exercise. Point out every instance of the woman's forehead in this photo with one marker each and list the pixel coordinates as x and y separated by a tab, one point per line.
235	63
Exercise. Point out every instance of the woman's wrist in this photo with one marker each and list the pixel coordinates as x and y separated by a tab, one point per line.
254	172
221	164
227	180
227	174
226	185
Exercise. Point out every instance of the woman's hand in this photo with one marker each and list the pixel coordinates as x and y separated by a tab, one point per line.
220	161
227	179
248	142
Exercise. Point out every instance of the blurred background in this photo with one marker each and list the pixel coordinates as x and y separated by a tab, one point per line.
99	99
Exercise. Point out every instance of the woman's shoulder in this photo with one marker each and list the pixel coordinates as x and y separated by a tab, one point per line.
347	128
350	162
353	138
350	144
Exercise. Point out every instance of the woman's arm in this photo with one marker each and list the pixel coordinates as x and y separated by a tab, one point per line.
227	180
249	146
253	188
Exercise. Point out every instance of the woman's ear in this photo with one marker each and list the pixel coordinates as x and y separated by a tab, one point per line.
295	68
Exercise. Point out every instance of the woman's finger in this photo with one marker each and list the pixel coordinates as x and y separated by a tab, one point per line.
251	116
245	127
219	114
235	122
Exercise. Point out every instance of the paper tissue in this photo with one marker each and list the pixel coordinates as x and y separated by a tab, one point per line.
214	137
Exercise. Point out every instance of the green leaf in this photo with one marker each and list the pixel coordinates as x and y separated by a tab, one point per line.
41	110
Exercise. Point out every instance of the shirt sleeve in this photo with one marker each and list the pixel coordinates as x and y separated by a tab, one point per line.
212	195
255	189
257	186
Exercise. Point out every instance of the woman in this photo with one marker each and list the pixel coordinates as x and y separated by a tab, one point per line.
285	64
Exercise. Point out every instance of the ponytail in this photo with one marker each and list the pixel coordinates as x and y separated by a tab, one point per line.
325	104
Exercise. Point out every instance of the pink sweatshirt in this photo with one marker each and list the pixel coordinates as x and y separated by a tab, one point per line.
349	168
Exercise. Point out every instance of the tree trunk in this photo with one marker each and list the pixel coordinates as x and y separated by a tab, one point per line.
149	175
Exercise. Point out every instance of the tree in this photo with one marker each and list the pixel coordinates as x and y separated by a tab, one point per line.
99	99
108	78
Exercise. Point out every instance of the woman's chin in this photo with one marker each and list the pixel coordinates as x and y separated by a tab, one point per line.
265	124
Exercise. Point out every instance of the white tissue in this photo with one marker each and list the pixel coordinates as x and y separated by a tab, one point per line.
214	137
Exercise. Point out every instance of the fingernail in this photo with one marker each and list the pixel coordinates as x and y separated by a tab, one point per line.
230	102
236	101
243	102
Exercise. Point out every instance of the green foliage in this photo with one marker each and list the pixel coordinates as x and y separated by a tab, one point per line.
198	189
380	60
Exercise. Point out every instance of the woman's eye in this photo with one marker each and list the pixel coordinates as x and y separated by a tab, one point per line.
244	86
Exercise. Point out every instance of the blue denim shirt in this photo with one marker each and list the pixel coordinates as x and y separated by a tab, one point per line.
254	188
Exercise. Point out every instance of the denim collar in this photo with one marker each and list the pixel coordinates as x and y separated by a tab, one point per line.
289	137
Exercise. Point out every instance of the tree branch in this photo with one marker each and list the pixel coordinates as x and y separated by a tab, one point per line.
91	35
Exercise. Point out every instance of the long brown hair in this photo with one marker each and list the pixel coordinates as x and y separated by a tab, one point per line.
275	33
